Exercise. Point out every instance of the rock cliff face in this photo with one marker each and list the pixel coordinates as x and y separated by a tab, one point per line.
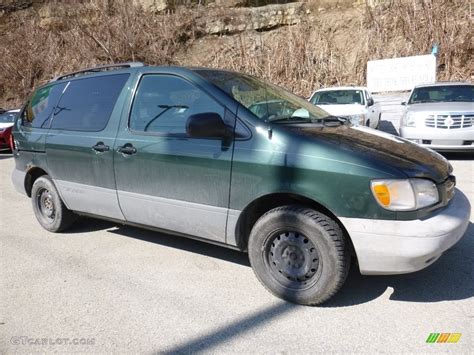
224	17
153	5
235	20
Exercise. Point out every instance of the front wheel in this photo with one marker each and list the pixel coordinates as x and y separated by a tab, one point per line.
299	254
48	207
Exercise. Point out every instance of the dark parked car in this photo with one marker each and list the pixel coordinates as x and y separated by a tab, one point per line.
178	150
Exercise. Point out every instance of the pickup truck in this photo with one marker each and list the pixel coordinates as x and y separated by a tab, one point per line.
353	102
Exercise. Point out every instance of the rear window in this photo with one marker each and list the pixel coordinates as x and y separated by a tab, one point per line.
39	108
338	97
443	93
87	104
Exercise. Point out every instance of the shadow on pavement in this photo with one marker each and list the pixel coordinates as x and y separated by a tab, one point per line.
388	127
206	342
448	279
458	156
86	225
183	243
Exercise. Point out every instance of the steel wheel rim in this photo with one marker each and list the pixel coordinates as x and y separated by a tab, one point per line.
293	259
45	205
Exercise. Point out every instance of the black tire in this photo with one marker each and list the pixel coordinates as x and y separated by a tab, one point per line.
48	207
367	124
280	254
378	122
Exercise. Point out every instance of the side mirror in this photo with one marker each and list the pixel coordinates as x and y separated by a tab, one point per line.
206	125
370	102
404	103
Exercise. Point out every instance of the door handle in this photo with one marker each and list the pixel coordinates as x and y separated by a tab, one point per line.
100	147
127	149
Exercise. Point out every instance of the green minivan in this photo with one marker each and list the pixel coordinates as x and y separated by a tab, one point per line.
179	150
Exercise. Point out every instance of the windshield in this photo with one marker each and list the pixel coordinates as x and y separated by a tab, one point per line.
446	93
266	101
7	117
338	97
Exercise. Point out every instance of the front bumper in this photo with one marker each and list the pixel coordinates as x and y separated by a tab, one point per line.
386	247
461	139
4	144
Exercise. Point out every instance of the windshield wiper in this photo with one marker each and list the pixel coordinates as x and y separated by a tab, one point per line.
422	101
329	121
165	108
291	119
337	119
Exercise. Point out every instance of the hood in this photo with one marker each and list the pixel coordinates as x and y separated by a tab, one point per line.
381	148
4	125
343	110
433	107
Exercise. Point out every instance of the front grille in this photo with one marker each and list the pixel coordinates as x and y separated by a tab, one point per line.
450	121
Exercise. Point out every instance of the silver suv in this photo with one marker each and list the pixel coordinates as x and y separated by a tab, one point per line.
440	116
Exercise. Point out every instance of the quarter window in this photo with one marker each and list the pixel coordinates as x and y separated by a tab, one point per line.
87	104
39	108
163	104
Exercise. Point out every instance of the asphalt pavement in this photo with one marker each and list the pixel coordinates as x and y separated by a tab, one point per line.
103	287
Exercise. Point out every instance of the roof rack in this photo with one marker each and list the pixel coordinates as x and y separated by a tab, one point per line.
99	68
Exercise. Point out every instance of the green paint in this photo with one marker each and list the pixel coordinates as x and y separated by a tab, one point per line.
332	166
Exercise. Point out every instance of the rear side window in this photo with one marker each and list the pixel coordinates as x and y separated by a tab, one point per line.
39	108
87	104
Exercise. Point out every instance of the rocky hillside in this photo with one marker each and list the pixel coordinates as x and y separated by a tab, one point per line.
300	45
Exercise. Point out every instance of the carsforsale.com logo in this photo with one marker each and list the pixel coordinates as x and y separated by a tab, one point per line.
26	340
443	337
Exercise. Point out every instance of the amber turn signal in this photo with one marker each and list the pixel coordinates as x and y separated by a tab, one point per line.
382	194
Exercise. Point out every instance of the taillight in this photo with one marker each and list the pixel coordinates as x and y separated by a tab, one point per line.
12	142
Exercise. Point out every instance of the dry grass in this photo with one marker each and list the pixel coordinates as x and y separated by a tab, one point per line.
306	57
68	37
405	27
65	36
294	59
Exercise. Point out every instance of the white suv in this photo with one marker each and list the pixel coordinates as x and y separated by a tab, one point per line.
440	116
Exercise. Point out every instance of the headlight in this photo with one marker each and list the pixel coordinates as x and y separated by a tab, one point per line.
358	120
409	119
404	195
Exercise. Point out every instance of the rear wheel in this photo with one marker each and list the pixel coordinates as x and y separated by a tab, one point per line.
299	254
48	207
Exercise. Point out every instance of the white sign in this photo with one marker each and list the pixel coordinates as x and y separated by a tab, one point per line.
399	74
